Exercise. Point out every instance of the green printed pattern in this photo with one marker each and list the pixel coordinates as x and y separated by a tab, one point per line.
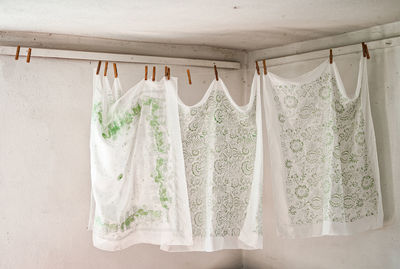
124	122
131	218
161	163
113	127
160	179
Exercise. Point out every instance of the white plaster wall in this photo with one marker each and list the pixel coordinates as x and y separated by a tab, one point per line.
45	111
374	249
45	182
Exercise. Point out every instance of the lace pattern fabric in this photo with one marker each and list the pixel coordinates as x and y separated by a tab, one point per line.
219	146
328	165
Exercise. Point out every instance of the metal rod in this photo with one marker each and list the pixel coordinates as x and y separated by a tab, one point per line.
115	57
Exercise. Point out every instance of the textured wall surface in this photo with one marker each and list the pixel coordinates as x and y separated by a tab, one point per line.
45	111
373	249
45	181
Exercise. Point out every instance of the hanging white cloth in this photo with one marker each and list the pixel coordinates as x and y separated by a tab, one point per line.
137	167
222	146
323	154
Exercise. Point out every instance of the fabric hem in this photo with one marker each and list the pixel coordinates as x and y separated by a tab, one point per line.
215	244
139	237
329	228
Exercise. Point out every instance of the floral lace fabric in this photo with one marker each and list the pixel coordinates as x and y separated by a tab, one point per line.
329	167
219	146
139	191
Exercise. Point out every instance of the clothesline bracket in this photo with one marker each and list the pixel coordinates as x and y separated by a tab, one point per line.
123	58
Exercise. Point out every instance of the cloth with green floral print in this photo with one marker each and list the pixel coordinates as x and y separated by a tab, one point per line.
134	177
123	122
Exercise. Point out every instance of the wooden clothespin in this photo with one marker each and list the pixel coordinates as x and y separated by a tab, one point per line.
169	73
365	47
28	57
166	71
265	67
98	68
17	53
258	68
216	72
189	78
330	56
366	51
105	68
145	72
115	70
154	74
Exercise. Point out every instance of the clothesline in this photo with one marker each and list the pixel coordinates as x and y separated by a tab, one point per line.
324	53
148	59
115	57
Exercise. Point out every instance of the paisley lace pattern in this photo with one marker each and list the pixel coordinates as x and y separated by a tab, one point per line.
329	176
219	144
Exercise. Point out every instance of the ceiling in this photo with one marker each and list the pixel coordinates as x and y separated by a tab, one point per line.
249	25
